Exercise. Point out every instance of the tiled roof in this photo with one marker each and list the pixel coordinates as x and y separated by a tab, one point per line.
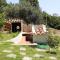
39	29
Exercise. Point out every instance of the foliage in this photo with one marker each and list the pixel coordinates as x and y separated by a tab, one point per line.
32	13
28	16
2	15
53	41
34	3
52	21
12	11
2	18
2	5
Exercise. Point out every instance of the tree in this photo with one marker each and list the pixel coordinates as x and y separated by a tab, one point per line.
34	3
12	11
24	10
27	6
2	18
3	3
16	10
28	16
52	21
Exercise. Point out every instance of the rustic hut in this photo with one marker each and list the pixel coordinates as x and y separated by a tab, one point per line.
32	33
17	25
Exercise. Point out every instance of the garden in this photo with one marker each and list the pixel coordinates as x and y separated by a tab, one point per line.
9	51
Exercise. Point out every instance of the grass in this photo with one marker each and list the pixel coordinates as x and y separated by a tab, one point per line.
7	36
29	52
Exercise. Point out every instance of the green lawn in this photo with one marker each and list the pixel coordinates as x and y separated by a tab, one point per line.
29	52
15	50
7	36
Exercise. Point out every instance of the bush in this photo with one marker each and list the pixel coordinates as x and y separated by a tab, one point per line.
1	19
53	40
51	52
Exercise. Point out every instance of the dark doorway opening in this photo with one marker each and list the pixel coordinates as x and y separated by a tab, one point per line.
29	37
16	27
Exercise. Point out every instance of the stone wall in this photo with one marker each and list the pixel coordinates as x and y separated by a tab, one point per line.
7	26
24	26
27	27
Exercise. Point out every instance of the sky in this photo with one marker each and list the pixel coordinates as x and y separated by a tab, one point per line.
50	6
13	1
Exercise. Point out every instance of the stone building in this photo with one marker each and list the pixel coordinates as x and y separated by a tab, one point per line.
17	25
31	33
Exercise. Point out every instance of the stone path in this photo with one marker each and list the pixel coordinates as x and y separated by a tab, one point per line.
17	52
24	55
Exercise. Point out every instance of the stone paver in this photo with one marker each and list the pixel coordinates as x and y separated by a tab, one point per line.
43	50
52	58
8	51
27	58
22	49
38	56
11	55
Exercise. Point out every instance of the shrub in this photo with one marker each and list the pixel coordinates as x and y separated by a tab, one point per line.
53	40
